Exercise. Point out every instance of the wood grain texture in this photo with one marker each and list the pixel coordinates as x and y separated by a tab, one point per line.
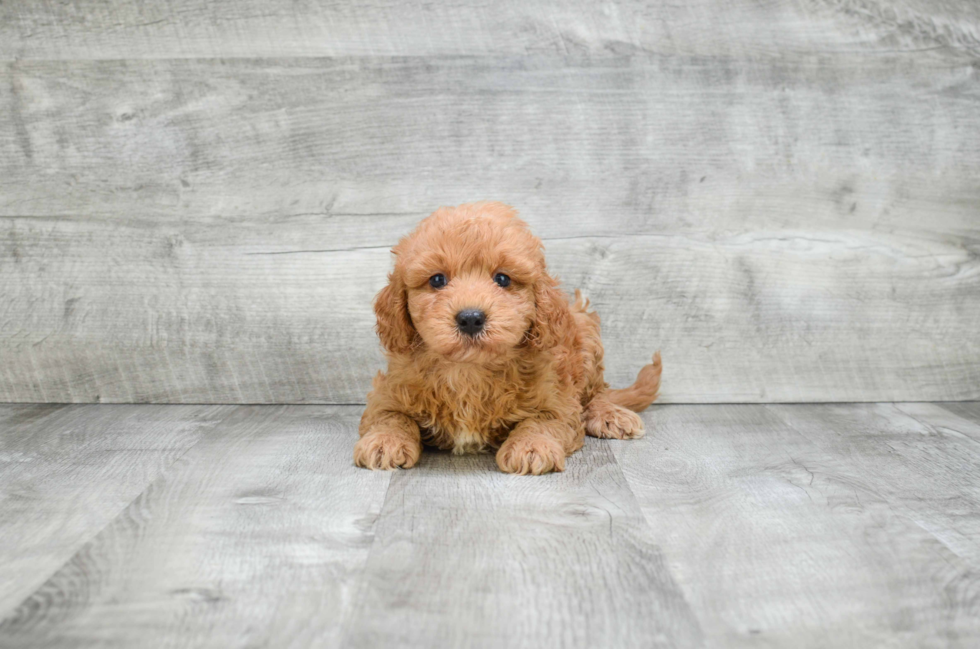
850	525
637	144
180	314
816	525
116	29
67	471
252	538
968	410
465	555
801	229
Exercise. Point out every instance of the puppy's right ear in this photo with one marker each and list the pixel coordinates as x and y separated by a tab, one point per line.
394	324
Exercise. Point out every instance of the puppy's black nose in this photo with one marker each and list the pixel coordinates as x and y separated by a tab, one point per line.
471	321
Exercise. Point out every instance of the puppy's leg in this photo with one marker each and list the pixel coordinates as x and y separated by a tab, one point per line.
388	441
538	446
605	419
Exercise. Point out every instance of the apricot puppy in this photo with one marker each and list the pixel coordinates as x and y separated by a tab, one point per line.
484	351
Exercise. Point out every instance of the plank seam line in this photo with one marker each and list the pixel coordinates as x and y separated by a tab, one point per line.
384	246
567	60
323	250
646	529
348	615
608	449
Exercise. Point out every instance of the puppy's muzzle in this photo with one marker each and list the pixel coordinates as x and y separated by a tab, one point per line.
471	321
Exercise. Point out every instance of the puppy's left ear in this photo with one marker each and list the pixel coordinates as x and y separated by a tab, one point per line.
552	318
394	323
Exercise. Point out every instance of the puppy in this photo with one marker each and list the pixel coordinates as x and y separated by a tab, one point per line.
484	351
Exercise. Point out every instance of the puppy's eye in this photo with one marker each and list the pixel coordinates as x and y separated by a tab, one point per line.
437	281
501	280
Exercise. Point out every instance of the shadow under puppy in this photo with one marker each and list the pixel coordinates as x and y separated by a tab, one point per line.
484	351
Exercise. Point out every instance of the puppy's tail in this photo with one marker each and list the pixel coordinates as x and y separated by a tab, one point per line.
643	392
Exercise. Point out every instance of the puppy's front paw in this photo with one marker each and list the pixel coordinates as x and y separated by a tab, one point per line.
386	450
609	421
534	454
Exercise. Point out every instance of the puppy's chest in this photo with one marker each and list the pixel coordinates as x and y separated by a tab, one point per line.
469	417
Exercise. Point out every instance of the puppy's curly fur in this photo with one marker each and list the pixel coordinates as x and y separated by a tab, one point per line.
530	384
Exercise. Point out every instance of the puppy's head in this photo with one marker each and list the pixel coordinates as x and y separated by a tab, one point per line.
469	284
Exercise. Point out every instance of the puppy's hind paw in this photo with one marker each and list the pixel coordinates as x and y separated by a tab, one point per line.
607	420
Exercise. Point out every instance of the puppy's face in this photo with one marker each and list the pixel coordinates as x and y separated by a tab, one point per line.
465	284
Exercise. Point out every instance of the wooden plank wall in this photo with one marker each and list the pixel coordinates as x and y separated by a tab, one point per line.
197	198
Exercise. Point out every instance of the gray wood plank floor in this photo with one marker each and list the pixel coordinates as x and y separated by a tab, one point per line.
849	525
66	472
